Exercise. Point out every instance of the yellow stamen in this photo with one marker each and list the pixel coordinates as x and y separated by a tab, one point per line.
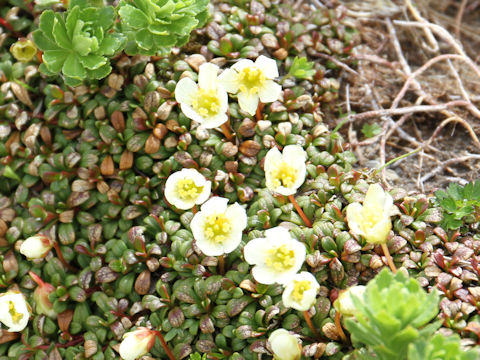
16	317
206	103
280	258
217	228
284	175
187	189
299	287
251	79
371	217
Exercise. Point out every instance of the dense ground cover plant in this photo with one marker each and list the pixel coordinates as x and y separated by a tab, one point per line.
116	259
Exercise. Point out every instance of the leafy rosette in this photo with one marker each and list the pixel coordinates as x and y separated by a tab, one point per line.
154	26
79	43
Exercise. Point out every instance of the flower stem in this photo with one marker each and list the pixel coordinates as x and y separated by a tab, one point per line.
226	131
338	324
300	211
221	264
308	319
165	346
61	258
389	258
194	209
258	114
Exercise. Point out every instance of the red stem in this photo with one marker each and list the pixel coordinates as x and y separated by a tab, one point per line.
259	111
300	211
61	258
165	346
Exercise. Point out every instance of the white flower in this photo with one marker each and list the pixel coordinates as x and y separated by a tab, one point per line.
36	247
186	188
207	102
284	345
217	228
372	219
14	310
253	82
344	303
136	343
285	173
301	291
277	258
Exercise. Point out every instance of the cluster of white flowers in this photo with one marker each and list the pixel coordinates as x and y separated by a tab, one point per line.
207	101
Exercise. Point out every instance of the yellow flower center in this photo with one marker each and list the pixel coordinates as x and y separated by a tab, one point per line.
283	175
299	287
280	258
188	190
16	317
371	217
217	228
206	103
251	79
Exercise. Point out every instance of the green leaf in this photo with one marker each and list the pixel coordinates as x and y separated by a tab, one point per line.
301	68
144	39
449	204
111	44
455	191
371	130
73	68
133	17
46	22
166	9
101	72
92	62
60	33
43	42
54	59
71	22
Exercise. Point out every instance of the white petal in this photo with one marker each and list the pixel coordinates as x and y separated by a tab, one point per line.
229	80
215	121
254	251
210	248
276	233
300	174
171	190
197	225
270	92
300	254
355	218
242	64
185	90
284	345
238	216
232	242
191	114
294	153
207	76
272	159
264	275
216	204
248	102
268	67
207	190
375	198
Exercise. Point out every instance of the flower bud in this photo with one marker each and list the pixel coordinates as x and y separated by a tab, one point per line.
40	296
36	247
23	50
284	345
136	343
344	302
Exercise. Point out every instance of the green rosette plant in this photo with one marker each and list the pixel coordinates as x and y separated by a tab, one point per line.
393	313
78	43
440	347
154	26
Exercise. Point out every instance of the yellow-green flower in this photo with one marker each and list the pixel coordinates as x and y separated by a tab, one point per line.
372	219
277	257
284	345
301	291
23	50
253	82
344	303
217	227
187	188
